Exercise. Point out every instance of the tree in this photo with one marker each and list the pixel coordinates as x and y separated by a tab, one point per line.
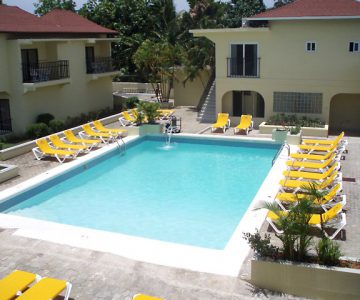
279	3
239	9
45	6
158	60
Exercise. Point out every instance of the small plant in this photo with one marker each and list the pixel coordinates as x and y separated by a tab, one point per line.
328	252
292	120
56	125
45	118
131	102
295	130
37	130
261	246
150	111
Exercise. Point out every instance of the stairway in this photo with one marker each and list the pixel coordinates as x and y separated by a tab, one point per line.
207	113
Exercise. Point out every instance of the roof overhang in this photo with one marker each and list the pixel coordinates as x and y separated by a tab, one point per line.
202	32
87	40
304	18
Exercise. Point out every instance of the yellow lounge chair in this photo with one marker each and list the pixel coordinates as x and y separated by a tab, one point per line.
15	283
89	132
60	144
116	131
165	113
127	119
46	289
315	157
319	166
145	297
319	176
222	122
324	142
44	149
325	202
315	219
246	124
297	185
322	148
71	137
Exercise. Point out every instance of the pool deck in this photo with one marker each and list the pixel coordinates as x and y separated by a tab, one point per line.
98	275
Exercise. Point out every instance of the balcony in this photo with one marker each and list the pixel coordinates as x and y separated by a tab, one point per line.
243	67
45	71
100	65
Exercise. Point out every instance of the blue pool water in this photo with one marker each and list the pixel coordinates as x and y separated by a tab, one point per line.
194	193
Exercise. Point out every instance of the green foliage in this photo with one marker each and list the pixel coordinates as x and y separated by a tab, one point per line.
44	118
279	3
42	7
149	110
295	130
37	130
56	126
292	120
239	9
131	102
261	246
328	252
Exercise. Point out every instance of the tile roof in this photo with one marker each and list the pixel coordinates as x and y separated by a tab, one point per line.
15	20
313	9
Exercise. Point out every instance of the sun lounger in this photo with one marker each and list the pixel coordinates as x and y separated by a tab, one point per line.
15	283
90	132
116	131
319	176
165	113
325	202
319	166
60	144
46	289
322	148
339	139
246	124
317	157
127	119
145	297
44	149
297	185
71	137
223	122
331	218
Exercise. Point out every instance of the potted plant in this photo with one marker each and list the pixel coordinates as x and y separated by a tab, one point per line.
149	111
294	135
279	134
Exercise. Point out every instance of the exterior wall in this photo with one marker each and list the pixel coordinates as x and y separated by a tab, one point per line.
4	79
345	112
285	66
190	93
80	94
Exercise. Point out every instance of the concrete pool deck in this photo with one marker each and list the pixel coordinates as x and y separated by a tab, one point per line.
99	275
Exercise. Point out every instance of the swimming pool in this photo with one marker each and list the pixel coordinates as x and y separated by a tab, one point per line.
194	193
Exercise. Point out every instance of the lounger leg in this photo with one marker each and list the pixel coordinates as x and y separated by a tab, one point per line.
68	290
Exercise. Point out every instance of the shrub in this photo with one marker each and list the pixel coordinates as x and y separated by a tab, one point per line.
56	125
37	130
328	252
44	118
261	246
150	110
292	120
295	130
131	102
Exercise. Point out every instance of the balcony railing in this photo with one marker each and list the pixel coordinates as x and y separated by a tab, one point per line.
45	71
5	126
242	67
100	65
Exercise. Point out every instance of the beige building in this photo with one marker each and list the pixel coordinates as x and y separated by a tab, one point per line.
59	64
302	58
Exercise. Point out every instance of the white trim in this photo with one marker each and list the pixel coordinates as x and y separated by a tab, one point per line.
303	18
223	262
198	32
87	40
257	57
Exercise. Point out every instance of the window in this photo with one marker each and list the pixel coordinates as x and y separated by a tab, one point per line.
248	103
5	118
354	47
244	61
30	62
310	46
90	59
290	102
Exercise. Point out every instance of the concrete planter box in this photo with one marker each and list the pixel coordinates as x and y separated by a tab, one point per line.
306	131
151	129
294	139
8	171
279	135
306	280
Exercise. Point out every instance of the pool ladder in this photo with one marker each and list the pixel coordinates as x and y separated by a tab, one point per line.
284	145
122	146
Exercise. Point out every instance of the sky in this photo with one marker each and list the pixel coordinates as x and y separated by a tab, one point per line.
28	4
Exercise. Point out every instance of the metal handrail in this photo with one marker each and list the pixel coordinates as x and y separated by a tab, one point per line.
239	68
45	71
100	65
279	151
